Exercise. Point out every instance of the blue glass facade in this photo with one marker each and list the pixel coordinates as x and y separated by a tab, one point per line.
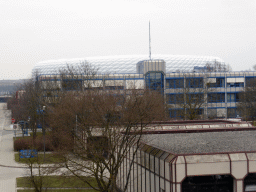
155	81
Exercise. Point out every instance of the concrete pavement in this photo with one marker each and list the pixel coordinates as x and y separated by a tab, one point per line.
9	169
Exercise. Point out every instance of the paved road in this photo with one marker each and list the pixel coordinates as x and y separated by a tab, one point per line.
7	174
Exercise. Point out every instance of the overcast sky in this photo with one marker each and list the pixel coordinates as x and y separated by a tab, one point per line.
37	30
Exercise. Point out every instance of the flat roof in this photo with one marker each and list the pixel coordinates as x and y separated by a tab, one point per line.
204	142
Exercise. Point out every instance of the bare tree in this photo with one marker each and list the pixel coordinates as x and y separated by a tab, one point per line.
78	77
25	104
247	104
254	67
217	66
93	128
37	175
15	104
94	131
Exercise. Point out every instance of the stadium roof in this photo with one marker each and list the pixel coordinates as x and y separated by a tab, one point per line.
127	64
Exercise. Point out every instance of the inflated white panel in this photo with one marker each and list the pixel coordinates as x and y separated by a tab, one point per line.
126	64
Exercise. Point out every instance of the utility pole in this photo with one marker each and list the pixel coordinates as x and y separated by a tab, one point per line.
149	43
44	131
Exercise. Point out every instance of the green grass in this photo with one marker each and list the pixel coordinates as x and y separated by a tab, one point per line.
57	182
49	158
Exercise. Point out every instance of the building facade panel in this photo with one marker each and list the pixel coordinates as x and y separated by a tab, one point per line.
239	169
208	168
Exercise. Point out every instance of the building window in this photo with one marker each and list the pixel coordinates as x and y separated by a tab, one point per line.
155	81
72	84
176	113
194	82
210	183
233	97
250	81
216	97
147	160
235	84
114	84
220	82
175	98
175	83
249	182
200	111
194	98
232	112
212	113
114	87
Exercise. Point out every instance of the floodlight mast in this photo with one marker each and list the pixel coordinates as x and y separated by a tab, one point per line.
149	43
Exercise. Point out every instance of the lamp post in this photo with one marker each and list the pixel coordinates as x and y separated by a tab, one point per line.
43	130
28	127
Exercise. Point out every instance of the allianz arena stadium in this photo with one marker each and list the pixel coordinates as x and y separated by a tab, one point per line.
169	74
127	64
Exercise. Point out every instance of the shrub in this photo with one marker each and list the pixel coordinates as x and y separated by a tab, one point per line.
27	143
23	143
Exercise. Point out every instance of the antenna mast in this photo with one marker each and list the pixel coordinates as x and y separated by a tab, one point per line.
149	43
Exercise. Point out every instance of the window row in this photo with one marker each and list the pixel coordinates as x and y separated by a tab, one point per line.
152	80
78	84
199	97
189	83
220	97
184	98
181	113
217	82
231	112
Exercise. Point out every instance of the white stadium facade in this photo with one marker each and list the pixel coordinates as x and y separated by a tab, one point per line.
127	64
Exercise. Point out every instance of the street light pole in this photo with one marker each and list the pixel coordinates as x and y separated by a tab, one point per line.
44	131
28	124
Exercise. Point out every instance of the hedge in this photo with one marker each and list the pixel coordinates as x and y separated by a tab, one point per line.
27	143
